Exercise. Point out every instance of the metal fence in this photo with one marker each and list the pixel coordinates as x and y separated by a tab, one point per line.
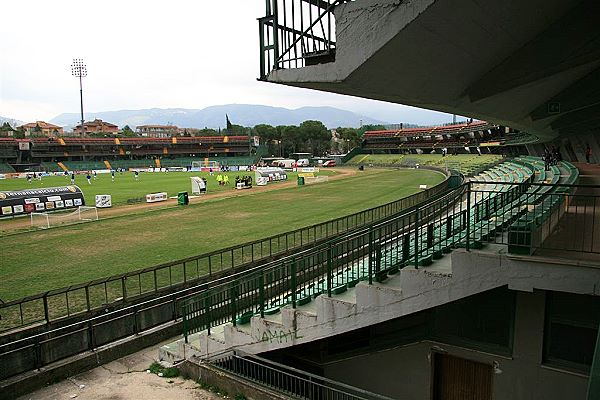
549	219
528	217
369	253
26	352
295	33
468	216
125	288
290	381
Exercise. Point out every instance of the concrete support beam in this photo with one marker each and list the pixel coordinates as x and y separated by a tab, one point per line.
580	95
571	41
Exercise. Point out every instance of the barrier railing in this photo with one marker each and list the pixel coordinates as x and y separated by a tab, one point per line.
552	220
521	215
124	288
295	33
289	381
370	253
23	351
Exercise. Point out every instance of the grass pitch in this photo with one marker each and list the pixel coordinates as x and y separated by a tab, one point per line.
34	262
126	190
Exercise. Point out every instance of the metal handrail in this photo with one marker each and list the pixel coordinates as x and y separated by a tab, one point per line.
414	236
300	384
216	305
119	289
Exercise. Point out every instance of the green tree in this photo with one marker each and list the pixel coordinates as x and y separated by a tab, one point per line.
269	136
6	129
238	130
315	137
351	138
128	132
366	128
207	132
290	138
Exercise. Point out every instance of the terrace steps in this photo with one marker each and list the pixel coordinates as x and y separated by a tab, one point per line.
390	290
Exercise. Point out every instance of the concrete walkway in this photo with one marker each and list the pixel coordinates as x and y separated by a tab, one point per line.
123	379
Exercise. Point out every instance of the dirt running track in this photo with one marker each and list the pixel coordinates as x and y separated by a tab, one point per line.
21	223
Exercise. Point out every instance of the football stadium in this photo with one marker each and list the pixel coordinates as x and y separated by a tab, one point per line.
443	262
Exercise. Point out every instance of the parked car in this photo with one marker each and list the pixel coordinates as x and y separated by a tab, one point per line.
329	163
303	162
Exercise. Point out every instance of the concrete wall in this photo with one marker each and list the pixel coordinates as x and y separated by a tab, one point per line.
406	372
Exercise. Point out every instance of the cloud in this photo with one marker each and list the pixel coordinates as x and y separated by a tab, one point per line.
189	54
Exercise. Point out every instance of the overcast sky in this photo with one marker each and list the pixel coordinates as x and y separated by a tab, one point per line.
165	54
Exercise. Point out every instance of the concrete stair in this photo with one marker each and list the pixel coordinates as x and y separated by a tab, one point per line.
324	316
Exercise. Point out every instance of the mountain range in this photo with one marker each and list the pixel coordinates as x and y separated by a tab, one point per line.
214	116
13	122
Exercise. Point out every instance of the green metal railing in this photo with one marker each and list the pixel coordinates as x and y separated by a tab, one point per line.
415	236
125	288
289	381
482	212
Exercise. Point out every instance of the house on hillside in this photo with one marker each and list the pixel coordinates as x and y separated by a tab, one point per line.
96	126
158	131
40	128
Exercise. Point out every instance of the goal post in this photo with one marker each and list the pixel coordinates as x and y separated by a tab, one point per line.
197	165
46	220
40	220
88	213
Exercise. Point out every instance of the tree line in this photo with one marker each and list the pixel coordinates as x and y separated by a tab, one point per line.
281	140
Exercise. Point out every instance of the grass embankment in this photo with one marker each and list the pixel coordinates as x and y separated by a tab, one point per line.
34	262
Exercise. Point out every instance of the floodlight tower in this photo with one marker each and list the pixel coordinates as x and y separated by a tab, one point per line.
78	69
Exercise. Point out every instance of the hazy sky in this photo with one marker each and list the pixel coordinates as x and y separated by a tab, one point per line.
165	54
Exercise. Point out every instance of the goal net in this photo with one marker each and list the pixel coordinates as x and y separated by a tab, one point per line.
205	164
46	220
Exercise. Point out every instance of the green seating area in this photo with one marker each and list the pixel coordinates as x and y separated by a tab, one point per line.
513	198
236	160
126	164
542	207
5	168
50	166
84	165
468	164
179	162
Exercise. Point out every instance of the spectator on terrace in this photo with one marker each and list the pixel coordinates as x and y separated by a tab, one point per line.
546	159
588	153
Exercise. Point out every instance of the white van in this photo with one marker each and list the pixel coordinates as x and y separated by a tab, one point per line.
303	162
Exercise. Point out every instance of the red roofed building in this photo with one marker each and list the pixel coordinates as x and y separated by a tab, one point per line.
40	128
158	131
96	126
